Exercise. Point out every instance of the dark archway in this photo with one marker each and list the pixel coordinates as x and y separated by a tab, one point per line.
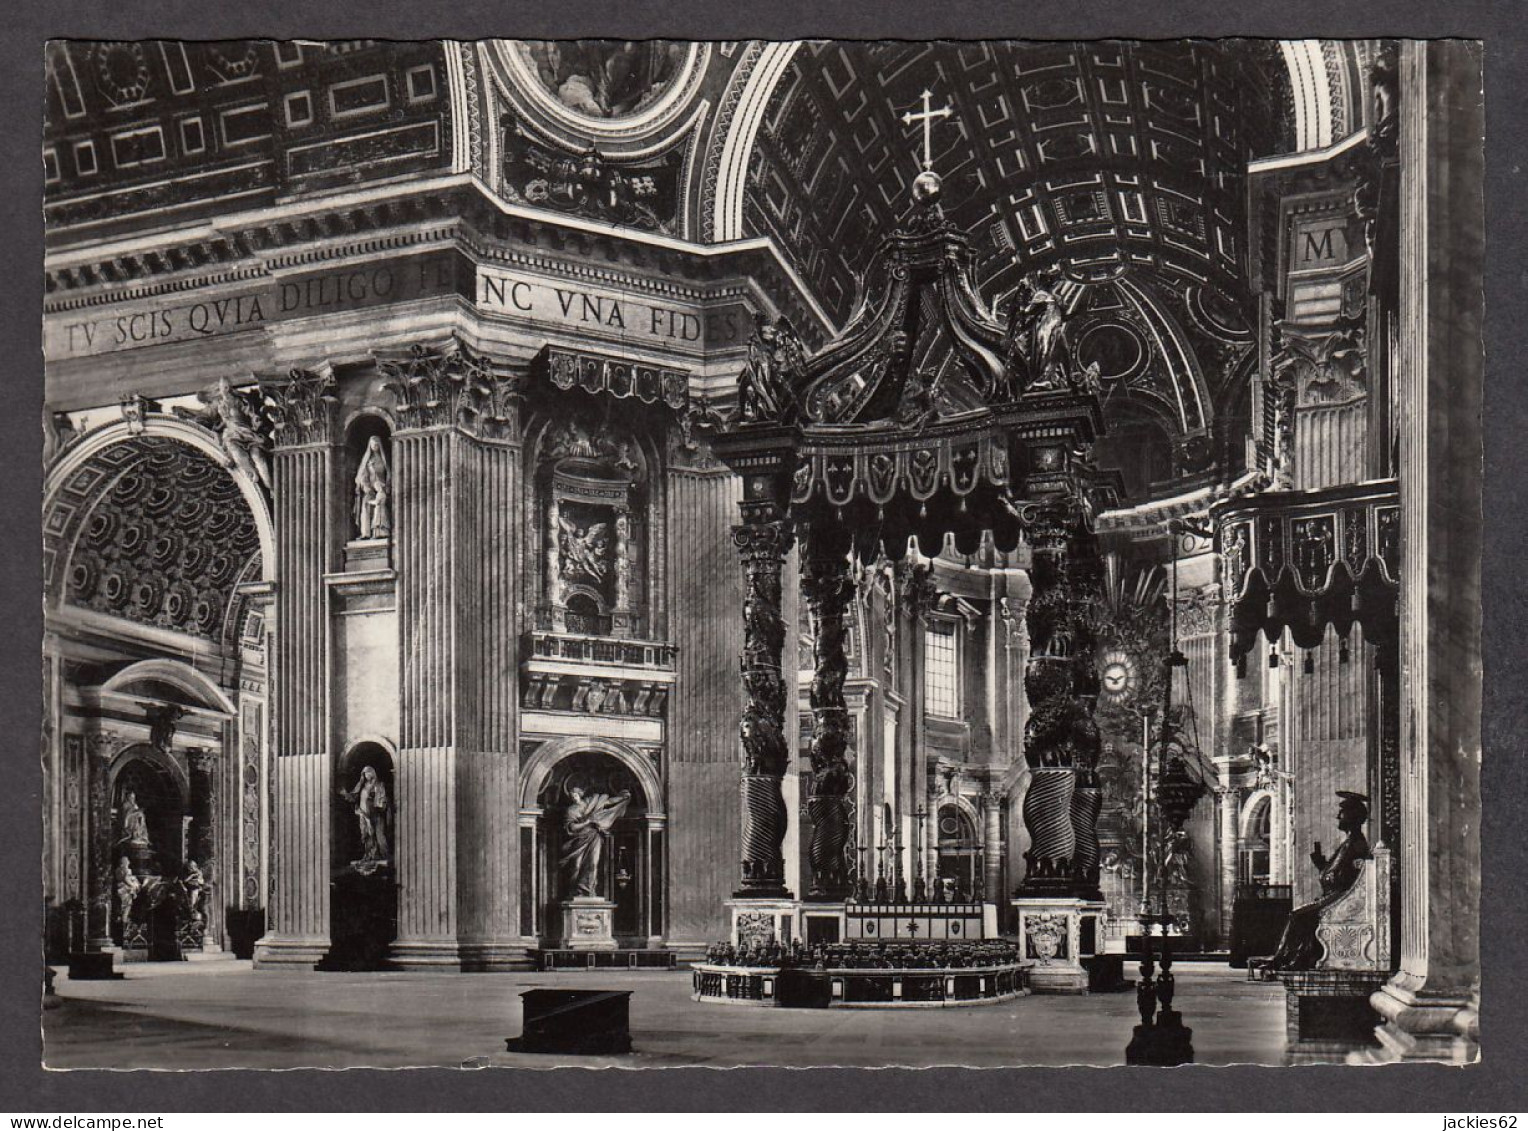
149	828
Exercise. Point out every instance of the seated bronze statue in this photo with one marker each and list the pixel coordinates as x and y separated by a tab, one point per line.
1298	948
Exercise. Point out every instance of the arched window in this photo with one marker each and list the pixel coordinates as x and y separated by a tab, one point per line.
1254	866
960	854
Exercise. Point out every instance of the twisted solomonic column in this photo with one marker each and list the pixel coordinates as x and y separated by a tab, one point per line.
1062	803
763	546
827	588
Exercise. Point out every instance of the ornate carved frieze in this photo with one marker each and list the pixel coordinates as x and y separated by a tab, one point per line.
614	377
1308	560
595	695
556	676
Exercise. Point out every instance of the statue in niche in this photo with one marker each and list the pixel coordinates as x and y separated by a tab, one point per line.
369	796
127	886
1298	947
134	823
238	419
585	825
585	550
373	493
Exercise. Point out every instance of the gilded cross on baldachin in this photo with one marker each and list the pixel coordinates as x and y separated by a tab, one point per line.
927	117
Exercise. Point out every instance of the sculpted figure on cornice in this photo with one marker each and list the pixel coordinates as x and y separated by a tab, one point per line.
58	432
1384	79
239	419
775	359
1037	342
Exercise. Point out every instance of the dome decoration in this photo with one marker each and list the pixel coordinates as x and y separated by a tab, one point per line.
622	93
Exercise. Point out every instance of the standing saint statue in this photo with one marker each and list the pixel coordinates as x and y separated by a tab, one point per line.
373	493
584	828
135	824
193	888
369	796
128	885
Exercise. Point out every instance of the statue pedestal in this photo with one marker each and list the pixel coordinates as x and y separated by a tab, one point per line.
1051	930
587	923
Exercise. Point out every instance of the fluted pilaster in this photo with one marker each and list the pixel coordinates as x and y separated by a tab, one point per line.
457	530
1431	1005
309	527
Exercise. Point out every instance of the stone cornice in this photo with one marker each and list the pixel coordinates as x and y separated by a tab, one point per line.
458	210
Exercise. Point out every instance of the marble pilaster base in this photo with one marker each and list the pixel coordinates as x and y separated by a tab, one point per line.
1422	1026
274	951
425	954
756	921
1050	931
588	923
496	956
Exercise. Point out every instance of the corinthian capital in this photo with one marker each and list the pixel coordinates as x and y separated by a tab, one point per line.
303	408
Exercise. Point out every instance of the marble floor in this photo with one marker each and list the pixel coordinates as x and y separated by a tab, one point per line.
224	1014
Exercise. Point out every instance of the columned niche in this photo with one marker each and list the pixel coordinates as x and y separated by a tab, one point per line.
931	417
